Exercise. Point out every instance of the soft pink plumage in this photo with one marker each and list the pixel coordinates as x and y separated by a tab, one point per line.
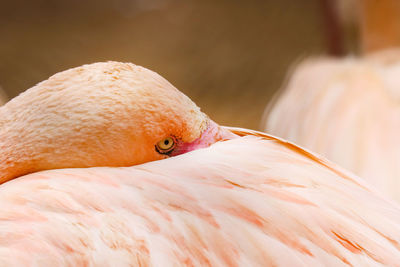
250	201
347	110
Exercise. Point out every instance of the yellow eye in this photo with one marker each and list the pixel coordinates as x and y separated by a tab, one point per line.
165	145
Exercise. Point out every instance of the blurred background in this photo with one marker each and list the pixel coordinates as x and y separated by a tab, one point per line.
229	56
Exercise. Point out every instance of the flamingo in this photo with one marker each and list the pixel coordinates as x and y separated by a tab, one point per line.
108	164
347	108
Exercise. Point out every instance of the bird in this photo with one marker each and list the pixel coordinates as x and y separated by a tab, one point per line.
346	108
104	114
115	167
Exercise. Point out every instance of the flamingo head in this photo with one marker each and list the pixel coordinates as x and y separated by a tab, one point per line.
102	114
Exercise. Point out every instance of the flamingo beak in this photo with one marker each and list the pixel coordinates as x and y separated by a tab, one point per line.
212	134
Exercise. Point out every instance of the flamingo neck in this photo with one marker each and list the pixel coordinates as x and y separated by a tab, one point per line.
380	25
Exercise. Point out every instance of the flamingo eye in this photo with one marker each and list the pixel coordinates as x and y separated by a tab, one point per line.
165	145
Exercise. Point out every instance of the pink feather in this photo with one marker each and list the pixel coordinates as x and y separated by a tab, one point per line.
250	201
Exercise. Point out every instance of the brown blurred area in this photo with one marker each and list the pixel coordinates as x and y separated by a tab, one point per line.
229	56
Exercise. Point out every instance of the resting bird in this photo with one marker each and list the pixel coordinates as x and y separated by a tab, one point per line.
249	200
104	114
347	109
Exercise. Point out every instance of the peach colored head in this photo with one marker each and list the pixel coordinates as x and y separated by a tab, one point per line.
102	114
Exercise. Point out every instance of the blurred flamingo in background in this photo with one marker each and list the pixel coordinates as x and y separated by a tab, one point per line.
348	109
252	200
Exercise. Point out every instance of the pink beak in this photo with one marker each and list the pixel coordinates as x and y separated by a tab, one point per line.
209	136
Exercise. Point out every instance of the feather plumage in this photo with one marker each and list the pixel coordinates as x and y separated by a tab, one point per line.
347	110
275	204
255	200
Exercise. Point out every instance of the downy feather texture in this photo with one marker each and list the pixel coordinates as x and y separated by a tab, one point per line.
101	114
347	110
253	200
250	201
